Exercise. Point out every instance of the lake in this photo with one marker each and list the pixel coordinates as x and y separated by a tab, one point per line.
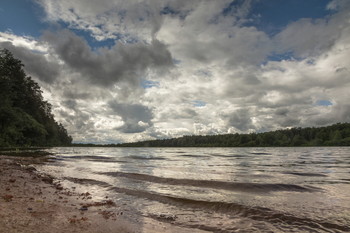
217	189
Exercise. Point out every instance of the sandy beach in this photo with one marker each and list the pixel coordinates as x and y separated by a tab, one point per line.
31	202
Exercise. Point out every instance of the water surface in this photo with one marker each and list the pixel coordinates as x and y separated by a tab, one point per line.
218	189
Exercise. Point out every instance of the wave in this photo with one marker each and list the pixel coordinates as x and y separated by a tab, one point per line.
232	186
260	153
230	156
87	157
194	156
305	174
237	210
277	218
144	157
92	158
87	181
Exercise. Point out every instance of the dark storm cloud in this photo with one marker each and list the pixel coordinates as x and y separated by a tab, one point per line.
35	63
340	113
137	118
123	62
285	117
74	117
288	122
71	104
178	113
240	119
281	112
76	94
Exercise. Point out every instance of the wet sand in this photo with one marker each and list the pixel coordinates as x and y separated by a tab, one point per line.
31	202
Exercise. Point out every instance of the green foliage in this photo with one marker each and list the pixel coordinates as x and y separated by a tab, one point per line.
25	118
334	135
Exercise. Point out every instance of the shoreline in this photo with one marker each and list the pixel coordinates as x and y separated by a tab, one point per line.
33	202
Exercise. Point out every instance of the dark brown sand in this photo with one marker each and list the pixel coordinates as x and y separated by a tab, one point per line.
31	202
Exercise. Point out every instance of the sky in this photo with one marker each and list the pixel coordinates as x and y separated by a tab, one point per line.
121	71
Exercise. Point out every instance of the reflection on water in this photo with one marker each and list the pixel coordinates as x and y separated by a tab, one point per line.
218	189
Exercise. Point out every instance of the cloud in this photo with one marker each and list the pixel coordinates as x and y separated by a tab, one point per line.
22	41
299	37
338	4
36	64
207	36
239	119
123	62
313	37
105	19
137	118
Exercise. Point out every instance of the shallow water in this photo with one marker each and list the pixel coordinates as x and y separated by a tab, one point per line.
218	189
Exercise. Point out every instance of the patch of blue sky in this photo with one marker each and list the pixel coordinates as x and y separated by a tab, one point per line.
169	11
311	61
232	7
149	84
22	17
271	16
172	12
127	39
176	61
282	56
93	42
324	103
204	73
199	103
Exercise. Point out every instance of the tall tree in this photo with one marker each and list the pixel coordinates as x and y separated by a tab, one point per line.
25	118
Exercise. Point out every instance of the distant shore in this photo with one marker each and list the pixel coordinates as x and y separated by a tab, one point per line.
333	135
31	202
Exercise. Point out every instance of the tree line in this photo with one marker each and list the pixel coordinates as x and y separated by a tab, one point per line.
334	135
25	117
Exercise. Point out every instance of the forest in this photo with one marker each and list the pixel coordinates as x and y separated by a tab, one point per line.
334	135
25	117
